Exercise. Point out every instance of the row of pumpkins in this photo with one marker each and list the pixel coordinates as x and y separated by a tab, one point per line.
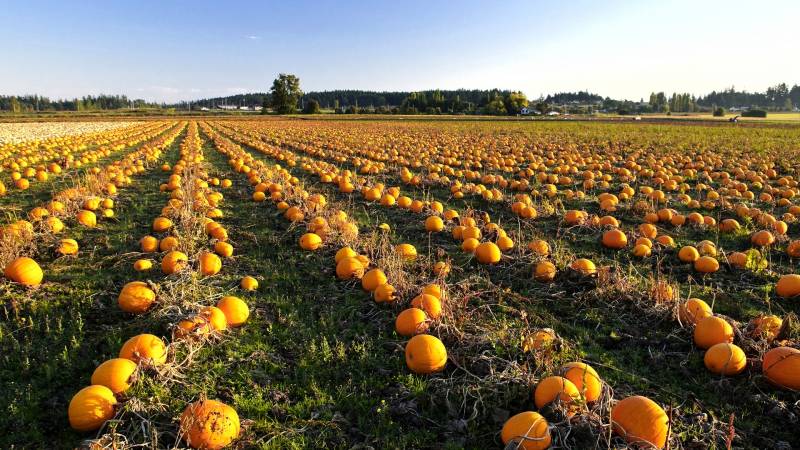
27	271
599	172
207	424
28	162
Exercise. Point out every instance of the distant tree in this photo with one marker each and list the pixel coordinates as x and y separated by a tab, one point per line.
719	112
312	107
285	93
496	107
15	107
514	102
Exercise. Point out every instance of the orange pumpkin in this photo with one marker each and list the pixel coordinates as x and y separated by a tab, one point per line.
712	330
725	359
781	366
425	354
144	348
209	425
410	322
527	431
640	421
115	374
25	271
91	407
136	297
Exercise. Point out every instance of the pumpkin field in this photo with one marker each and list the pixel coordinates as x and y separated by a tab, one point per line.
287	283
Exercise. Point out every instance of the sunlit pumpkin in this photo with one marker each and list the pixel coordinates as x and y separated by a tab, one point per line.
91	407
209	425
425	354
640	421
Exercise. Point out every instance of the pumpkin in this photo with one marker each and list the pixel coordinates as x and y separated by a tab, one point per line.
434	290
148	244
348	268
144	348
87	218
640	421
583	266
249	283
209	425
425	354
428	303
174	261
54	224
407	251
540	340
738	260
68	247
540	247
762	238
693	310
384	293
169	243
788	286
161	224
469	245
223	249
195	327
410	322
712	330
310	241
434	224
136	297
706	264
215	317
554	388
505	243
372	279
766	327
585	379
210	264
642	250
25	271
115	374
235	309
545	271
781	366
345	252
142	265
725	359
614	239
91	407
688	254
527	431
488	253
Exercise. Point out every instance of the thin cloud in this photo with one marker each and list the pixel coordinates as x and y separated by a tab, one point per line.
253	37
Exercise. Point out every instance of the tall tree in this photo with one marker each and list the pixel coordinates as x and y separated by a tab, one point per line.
285	93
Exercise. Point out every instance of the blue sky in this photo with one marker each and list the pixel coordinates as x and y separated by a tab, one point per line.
179	50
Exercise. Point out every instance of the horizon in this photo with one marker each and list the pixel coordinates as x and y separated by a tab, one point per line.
182	51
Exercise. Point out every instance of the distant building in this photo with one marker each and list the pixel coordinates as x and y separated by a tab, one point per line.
554	113
204	109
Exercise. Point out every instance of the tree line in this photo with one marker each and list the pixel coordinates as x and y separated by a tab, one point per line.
289	98
32	103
